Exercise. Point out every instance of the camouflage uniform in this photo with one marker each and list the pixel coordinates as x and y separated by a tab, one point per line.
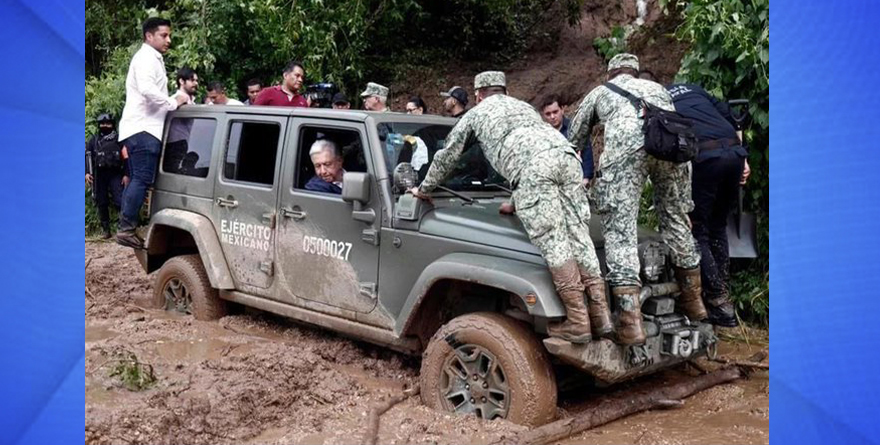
374	89
540	164
623	168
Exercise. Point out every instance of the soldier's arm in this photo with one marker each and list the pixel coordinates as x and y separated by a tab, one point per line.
584	120
446	159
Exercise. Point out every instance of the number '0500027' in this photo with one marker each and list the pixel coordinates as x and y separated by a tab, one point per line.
325	247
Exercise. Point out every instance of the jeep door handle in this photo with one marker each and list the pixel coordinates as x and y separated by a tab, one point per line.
294	213
224	202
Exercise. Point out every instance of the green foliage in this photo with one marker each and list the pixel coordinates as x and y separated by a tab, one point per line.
749	291
730	57
341	41
610	46
134	375
647	214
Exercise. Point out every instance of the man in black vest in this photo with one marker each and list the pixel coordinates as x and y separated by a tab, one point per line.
718	171
105	170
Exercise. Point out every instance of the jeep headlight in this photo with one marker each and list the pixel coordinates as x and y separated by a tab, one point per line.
652	256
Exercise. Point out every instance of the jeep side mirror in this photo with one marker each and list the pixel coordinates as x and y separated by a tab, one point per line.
356	187
356	190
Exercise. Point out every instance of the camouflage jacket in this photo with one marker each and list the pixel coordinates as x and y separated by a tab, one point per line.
623	125
510	132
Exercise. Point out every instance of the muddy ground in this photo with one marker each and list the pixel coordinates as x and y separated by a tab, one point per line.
258	379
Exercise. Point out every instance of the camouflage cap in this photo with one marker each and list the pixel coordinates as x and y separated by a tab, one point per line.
490	79
374	89
624	60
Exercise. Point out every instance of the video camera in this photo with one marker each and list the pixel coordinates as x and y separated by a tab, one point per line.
321	94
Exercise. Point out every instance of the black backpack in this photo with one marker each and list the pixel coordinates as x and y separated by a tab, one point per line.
108	153
669	136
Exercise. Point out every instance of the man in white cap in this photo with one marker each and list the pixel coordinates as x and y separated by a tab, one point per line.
623	168
545	174
375	97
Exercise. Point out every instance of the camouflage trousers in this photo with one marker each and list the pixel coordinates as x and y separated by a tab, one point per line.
553	207
618	193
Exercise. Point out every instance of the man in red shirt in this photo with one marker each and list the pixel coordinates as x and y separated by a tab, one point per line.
286	94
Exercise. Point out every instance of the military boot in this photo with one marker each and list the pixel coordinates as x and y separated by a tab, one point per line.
629	329
597	301
576	327
691	301
721	312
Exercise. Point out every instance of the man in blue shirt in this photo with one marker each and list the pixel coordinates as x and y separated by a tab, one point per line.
552	113
328	168
718	171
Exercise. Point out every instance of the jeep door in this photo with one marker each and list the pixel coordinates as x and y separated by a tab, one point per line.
245	197
327	260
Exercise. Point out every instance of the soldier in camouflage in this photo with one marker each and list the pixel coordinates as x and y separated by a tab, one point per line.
545	173
623	168
375	97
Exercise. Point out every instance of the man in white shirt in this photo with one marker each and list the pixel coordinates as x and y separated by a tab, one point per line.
217	95
140	129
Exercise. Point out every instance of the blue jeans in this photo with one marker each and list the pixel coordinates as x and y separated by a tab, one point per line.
143	156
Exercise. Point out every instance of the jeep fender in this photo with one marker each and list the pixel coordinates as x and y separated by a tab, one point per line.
513	276
202	231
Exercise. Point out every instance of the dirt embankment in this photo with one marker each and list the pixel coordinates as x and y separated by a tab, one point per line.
561	59
255	378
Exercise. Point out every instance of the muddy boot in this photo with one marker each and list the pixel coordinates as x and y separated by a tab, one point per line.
629	329
721	312
105	231
129	238
576	327
597	301
691	301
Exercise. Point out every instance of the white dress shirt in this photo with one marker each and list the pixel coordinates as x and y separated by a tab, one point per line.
146	95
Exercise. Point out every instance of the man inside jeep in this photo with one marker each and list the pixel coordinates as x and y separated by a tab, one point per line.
328	168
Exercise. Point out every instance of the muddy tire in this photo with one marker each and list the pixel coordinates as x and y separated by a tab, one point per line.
489	365
182	285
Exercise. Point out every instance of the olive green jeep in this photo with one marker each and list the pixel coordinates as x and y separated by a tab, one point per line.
232	221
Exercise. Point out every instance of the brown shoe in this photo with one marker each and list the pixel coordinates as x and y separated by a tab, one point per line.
129	238
629	330
576	327
691	300
597	301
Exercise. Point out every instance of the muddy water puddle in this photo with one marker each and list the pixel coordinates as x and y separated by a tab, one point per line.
254	378
97	333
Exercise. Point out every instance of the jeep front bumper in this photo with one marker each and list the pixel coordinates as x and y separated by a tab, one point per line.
671	339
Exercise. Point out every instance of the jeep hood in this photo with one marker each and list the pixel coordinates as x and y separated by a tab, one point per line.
481	223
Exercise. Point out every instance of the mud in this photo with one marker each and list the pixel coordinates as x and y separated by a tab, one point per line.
256	378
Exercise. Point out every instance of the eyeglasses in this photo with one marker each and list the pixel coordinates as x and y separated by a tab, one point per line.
411	110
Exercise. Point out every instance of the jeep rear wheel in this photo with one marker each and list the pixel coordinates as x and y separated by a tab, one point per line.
489	365
183	286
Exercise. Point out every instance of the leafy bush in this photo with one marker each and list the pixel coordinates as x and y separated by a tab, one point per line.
133	374
610	46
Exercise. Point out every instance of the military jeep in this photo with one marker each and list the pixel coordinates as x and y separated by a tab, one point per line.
453	280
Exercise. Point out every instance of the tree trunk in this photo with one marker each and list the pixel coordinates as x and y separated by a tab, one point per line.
623	405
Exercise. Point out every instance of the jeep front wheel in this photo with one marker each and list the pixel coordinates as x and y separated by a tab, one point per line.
182	285
489	365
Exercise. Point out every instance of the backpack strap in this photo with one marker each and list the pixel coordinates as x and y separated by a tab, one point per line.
635	101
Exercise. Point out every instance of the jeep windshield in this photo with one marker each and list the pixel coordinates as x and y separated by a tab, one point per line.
417	142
